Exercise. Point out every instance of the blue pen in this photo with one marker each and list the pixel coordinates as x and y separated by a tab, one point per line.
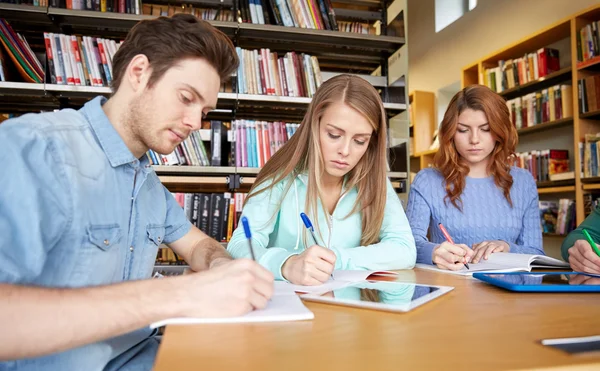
310	227
248	235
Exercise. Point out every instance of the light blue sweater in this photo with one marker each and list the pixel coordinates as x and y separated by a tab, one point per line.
486	213
278	232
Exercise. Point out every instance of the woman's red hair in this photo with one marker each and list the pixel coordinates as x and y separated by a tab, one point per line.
452	166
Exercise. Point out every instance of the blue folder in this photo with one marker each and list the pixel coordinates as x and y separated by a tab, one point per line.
543	281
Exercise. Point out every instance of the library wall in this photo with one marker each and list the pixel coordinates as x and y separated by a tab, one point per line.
492	25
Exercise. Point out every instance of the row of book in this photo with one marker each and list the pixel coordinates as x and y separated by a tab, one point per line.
80	60
207	14
191	151
588	42
17	57
542	106
257	141
558	217
315	14
216	214
515	72
241	143
589	94
545	165
263	72
591	155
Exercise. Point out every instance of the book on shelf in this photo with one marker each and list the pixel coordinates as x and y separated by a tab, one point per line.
17	57
590	203
590	157
267	73
314	14
241	143
558	217
544	164
546	105
216	214
207	14
588	41
589	94
512	73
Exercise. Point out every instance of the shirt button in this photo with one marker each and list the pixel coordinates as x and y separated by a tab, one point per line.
159	239
130	248
106	242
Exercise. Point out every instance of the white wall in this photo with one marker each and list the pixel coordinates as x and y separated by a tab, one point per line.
436	59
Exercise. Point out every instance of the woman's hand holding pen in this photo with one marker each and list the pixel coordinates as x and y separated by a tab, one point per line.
451	256
313	266
486	248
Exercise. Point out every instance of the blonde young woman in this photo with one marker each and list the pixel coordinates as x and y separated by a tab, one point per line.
334	170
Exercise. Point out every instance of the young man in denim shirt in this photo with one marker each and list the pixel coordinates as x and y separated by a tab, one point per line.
82	213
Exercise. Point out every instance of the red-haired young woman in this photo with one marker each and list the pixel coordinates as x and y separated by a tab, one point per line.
486	205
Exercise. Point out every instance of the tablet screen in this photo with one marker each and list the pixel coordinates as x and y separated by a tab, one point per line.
386	295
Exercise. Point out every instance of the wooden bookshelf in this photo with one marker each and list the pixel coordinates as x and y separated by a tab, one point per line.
545	126
338	52
563	31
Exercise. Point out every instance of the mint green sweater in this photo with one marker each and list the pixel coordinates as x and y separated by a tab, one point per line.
278	231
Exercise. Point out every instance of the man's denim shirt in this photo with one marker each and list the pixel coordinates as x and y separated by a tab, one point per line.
77	209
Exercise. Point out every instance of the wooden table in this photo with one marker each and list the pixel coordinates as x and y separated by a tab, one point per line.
475	326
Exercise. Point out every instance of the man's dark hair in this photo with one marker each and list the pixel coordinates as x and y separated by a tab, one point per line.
168	40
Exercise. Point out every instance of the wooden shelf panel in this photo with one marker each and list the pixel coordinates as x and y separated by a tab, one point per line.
249	106
554	235
546	126
336	50
205	173
591	180
591	186
595	115
551	79
426	153
562	189
591	64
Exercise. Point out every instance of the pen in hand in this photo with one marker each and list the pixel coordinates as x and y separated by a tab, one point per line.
449	239
310	227
248	236
589	239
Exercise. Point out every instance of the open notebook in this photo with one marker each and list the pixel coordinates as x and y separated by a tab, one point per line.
284	305
280	308
505	262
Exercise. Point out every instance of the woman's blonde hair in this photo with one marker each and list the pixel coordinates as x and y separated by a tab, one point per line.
302	154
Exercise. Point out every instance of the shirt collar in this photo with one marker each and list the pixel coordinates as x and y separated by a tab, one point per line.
111	142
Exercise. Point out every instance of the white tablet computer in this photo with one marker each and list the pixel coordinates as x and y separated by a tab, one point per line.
381	295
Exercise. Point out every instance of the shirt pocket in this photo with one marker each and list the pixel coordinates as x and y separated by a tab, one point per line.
101	258
155	235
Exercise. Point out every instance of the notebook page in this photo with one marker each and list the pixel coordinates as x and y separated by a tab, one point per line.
341	278
280	308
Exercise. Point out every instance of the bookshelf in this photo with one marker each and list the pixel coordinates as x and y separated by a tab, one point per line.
567	131
337	52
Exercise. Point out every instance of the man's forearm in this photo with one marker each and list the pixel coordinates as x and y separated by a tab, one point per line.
206	253
38	321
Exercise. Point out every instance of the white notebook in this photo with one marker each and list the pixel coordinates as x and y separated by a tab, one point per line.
280	308
505	262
